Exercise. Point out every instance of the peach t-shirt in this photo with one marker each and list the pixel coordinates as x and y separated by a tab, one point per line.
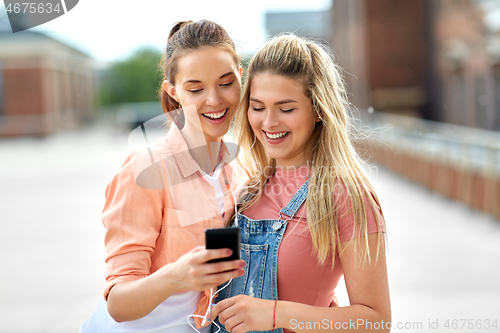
301	278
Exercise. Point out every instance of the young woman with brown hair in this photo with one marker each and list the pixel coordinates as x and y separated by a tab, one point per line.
160	202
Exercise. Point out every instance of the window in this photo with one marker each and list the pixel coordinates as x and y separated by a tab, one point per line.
496	74
2	100
481	104
458	96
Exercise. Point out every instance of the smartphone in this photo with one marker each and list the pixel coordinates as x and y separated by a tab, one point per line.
223	238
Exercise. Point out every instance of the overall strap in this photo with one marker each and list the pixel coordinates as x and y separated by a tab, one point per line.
297	200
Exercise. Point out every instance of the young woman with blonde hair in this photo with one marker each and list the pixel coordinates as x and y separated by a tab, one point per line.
312	214
160	202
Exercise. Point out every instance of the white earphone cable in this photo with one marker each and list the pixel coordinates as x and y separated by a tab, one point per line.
212	294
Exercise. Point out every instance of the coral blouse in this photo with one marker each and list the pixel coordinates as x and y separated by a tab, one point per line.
158	206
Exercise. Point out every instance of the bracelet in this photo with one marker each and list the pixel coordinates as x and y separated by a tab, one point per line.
274	316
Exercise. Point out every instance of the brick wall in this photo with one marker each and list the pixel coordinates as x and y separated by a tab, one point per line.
479	190
396	45
46	85
23	91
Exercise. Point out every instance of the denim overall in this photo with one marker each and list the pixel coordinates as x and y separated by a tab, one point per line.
260	240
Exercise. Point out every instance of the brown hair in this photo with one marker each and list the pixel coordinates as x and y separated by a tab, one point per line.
184	37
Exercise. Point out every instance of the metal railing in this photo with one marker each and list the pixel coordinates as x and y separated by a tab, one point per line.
464	147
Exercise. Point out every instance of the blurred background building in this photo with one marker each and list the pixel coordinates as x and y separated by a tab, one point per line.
313	24
433	59
45	85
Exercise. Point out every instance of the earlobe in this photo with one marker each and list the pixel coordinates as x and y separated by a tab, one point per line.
170	89
317	116
318	120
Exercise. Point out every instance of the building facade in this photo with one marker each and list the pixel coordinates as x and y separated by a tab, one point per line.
45	85
434	59
311	24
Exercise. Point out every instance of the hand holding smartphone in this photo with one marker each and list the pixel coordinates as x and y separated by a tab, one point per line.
223	238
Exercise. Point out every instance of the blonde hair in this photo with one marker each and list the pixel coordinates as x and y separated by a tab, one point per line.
329	150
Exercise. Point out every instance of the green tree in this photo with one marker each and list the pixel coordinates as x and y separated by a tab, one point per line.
135	79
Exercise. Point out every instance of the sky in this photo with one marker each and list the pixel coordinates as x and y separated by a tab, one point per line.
110	30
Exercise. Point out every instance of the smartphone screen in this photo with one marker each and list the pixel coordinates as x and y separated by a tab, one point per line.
223	238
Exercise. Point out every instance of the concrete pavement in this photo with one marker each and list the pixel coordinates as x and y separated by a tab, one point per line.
443	259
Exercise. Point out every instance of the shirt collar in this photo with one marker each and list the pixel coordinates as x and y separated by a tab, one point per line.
186	163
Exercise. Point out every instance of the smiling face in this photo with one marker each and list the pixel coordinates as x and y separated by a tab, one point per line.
209	79
281	117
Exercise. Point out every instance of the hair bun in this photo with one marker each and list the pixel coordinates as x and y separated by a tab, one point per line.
177	27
